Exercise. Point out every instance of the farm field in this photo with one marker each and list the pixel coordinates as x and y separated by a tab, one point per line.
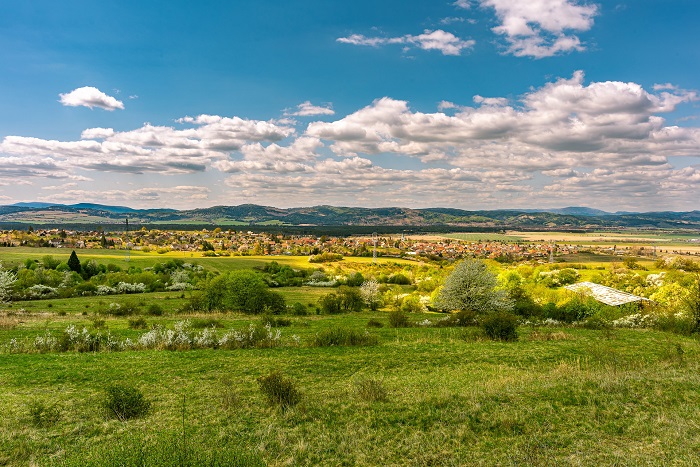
561	396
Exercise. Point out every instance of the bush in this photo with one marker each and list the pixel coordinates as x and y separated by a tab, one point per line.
275	322
501	326
374	323
399	319
371	390
138	323
125	402
155	310
279	390
298	309
44	415
462	318
343	337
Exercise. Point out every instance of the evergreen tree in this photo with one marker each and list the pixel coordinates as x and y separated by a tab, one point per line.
74	262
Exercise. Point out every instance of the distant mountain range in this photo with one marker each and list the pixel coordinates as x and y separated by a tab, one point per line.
57	215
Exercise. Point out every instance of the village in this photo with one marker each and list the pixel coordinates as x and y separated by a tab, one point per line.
218	242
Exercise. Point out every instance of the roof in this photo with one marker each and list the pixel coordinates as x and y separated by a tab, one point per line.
604	294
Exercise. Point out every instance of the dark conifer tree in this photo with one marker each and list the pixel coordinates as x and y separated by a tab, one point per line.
74	262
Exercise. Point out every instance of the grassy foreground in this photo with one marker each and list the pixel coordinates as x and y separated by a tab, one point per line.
561	396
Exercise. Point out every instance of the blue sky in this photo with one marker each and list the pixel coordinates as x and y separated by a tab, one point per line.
475	104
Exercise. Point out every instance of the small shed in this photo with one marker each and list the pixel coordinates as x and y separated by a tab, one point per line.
607	295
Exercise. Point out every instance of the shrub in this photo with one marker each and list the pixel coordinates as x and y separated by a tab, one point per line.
462	318
399	319
343	337
125	402
274	321
42	414
279	390
371	390
138	323
298	309
155	310
501	326
374	323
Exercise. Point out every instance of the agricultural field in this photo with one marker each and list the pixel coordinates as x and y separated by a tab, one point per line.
326	380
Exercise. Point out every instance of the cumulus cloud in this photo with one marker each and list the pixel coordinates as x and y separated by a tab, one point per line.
90	97
567	141
540	28
150	148
307	109
442	41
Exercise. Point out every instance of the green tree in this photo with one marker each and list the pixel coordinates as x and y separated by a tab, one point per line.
472	286
242	291
74	262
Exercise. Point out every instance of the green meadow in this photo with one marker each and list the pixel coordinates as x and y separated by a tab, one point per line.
562	396
421	395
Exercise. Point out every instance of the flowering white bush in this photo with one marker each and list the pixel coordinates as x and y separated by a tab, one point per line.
636	320
125	287
105	290
180	337
41	291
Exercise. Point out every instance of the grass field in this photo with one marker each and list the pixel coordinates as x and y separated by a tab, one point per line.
560	397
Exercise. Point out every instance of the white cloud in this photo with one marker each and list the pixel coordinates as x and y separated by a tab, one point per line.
97	133
565	142
445	42
538	28
90	97
451	20
306	109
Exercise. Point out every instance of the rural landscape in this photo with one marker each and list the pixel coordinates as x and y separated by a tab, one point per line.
369	233
225	347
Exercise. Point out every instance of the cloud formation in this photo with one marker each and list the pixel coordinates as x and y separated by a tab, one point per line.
307	109
90	97
540	28
445	42
563	143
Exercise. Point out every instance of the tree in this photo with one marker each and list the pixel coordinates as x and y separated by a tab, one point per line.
7	279
242	291
370	294
74	262
471	286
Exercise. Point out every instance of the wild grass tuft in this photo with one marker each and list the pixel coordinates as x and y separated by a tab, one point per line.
279	390
370	389
42	414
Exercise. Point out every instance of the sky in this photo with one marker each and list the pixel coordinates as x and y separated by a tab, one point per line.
471	104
